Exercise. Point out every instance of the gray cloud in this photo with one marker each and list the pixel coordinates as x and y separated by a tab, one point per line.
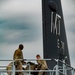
19	23
72	28
69	18
16	30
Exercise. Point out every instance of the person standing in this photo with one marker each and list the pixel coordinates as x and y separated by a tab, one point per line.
19	55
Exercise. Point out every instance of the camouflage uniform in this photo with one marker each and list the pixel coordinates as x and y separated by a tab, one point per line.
9	67
42	64
18	63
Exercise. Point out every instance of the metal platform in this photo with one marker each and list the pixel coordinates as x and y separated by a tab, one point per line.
61	68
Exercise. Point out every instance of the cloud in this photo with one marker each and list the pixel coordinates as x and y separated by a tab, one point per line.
14	31
16	7
69	19
18	18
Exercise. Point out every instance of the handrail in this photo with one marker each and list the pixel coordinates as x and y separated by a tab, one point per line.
63	70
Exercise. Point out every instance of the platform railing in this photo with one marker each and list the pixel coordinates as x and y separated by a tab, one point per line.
57	70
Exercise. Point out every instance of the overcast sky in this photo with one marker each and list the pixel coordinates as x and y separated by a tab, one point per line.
21	22
68	7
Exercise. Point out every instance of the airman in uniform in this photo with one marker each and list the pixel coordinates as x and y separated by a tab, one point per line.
19	55
41	63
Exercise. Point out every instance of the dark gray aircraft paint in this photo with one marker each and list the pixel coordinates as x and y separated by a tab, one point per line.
54	35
